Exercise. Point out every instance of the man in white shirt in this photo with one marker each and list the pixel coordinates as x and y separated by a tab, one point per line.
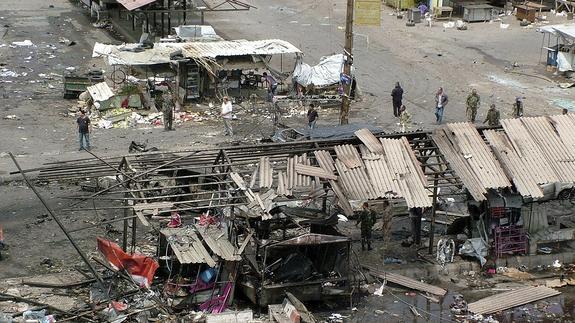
227	116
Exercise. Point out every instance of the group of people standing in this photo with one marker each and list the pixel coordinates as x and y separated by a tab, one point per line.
473	102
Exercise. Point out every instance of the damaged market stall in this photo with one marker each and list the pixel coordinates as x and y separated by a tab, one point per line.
231	67
206	69
312	266
561	55
267	200
510	174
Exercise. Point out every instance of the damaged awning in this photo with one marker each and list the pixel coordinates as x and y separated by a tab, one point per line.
566	31
238	48
134	54
135	4
192	33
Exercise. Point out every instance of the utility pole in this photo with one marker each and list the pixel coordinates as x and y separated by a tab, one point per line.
345	101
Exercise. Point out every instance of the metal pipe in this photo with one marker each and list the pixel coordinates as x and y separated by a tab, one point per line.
57	220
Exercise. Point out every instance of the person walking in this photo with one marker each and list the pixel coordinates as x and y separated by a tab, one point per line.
441	101
492	117
227	116
473	102
397	97
312	116
272	85
367	220
518	107
84	130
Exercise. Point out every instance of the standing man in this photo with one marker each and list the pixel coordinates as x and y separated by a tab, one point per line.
227	116
473	102
367	220
168	110
84	130
440	103
492	117
272	85
387	218
518	107
397	97
311	117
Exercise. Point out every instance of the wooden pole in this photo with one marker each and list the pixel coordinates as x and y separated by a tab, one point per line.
345	102
433	211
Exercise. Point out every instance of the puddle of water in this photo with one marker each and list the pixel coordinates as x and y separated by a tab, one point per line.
506	81
564	104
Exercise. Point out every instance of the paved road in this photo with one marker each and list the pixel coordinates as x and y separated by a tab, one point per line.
421	58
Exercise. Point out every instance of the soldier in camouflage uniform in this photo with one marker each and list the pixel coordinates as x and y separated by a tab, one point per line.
386	224
473	101
367	220
168	110
404	118
493	116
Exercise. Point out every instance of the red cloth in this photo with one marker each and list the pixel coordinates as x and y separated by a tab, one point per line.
142	268
125	102
206	219
175	221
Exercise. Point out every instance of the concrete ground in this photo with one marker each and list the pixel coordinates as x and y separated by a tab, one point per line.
500	63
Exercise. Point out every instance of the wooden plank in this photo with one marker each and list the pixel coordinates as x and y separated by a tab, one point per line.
370	141
406	281
244	243
314	171
342	200
511	299
238	180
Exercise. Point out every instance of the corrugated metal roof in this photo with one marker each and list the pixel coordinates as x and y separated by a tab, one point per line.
513	164
187	246
471	158
396	173
134	4
238	48
218	241
529	150
457	162
477	155
561	159
100	92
